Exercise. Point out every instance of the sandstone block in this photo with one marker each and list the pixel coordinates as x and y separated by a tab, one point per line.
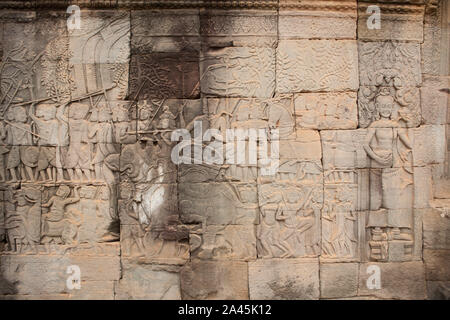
300	68
338	280
214	280
400	280
284	279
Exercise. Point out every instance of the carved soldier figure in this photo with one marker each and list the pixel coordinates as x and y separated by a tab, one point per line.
52	127
14	223
19	136
78	157
3	151
54	221
103	135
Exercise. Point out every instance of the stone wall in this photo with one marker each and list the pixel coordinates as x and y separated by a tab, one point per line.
87	180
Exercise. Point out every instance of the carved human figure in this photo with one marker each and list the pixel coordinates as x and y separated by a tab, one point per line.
384	138
268	232
3	151
29	208
133	234
14	223
389	148
54	222
19	135
122	126
52	127
294	222
102	134
78	157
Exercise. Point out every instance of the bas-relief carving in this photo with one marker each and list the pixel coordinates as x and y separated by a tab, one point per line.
289	220
399	61
76	160
238	28
386	190
218	203
340	216
61	132
223	242
165	30
317	65
150	227
319	20
156	75
238	72
326	110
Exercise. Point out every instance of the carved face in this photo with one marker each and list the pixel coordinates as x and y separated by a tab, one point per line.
104	115
384	105
46	111
292	197
63	191
122	115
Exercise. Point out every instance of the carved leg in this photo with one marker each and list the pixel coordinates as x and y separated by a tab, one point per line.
71	175
13	174
79	174
98	171
87	173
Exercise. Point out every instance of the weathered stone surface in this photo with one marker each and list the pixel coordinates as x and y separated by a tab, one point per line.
436	264
398	22
218	203
434	100
230	242
147	282
300	68
284	279
435	42
429	145
338	280
238	71
163	75
398	60
326	110
247	28
337	21
109	43
404	104
403	280
438	290
165	30
46	274
423	188
289	221
349	168
216	280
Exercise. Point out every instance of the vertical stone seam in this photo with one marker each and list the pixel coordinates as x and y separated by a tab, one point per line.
357	127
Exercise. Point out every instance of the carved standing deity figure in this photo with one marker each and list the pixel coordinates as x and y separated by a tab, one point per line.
389	147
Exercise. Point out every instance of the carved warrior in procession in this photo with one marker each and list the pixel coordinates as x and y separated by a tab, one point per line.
59	128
